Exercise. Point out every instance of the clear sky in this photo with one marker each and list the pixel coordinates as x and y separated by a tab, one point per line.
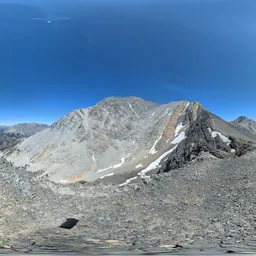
160	50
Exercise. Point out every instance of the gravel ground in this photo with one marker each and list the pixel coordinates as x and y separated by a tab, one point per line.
208	206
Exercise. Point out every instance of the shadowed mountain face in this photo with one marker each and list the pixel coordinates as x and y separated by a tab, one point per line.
8	141
245	123
128	136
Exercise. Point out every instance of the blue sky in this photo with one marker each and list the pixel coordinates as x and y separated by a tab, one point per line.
160	50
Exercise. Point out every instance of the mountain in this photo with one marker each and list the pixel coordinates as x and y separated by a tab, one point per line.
128	136
10	136
2	128
25	129
245	123
8	141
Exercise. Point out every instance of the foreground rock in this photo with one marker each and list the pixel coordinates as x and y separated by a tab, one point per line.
209	204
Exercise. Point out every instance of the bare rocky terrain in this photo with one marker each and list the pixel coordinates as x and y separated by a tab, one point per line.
206	206
135	177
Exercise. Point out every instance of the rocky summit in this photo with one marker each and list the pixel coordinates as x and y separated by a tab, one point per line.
128	136
245	123
131	176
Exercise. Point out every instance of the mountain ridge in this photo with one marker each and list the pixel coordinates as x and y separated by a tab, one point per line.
10	136
25	129
128	136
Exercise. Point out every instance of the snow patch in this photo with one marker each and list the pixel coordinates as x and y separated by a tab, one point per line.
166	111
133	110
128	181
139	166
153	151
93	158
185	109
153	113
155	164
233	151
145	156
210	129
122	161
178	128
102	170
63	181
127	155
180	138
116	165
214	135
107	175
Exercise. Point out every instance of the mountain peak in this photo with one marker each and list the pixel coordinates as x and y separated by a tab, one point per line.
245	123
242	119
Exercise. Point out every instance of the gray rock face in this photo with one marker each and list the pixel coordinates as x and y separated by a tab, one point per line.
202	138
128	135
25	129
245	123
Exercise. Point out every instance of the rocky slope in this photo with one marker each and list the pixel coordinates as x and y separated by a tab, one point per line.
245	123
206	207
128	136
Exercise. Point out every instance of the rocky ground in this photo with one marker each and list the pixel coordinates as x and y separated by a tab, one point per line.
208	205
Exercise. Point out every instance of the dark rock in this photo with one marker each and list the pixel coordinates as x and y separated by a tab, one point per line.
178	246
69	223
230	251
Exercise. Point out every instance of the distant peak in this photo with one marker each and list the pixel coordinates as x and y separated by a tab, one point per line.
242	119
